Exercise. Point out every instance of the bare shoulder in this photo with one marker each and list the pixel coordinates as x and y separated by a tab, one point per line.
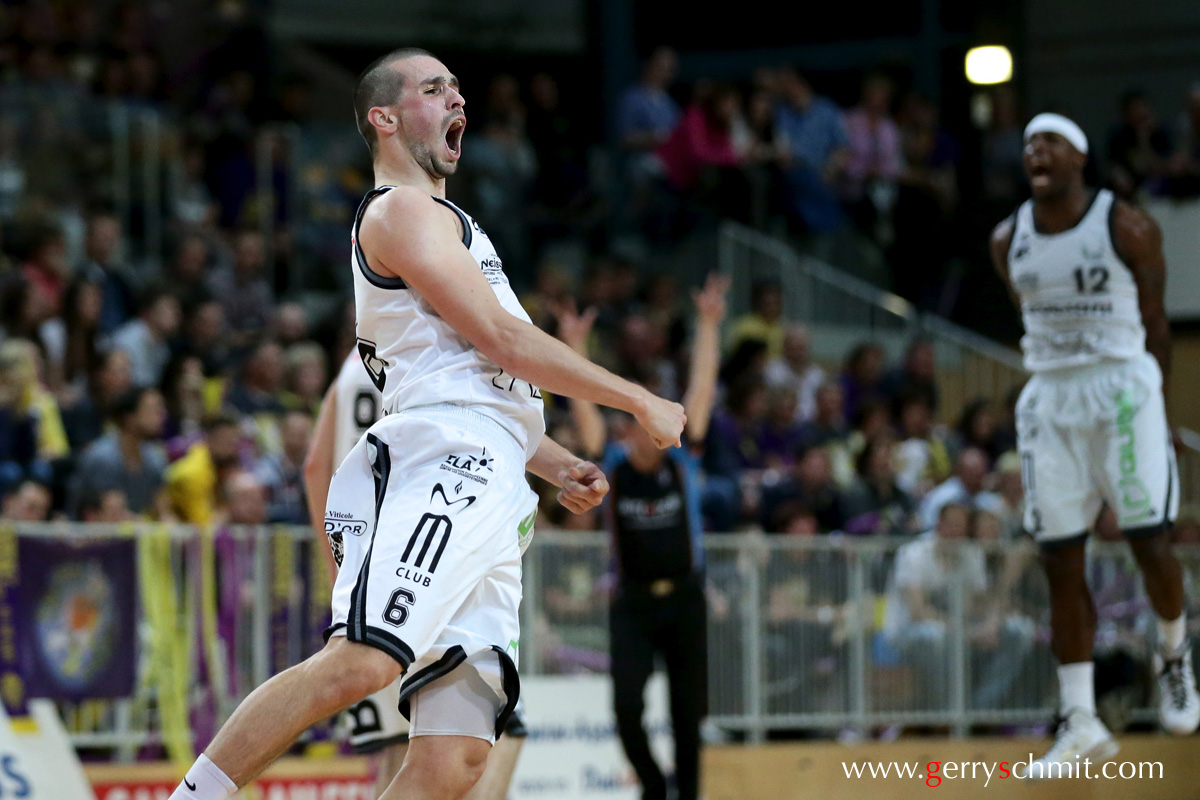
1133	230
403	208
1001	240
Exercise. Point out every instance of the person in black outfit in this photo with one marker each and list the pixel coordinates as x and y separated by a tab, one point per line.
658	606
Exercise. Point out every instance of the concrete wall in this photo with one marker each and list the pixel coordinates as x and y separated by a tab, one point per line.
1080	55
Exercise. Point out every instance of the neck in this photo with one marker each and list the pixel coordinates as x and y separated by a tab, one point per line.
644	461
406	172
1062	212
130	445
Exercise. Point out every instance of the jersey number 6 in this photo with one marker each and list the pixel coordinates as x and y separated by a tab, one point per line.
397	609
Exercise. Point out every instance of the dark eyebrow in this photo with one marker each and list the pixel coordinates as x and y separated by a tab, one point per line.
441	79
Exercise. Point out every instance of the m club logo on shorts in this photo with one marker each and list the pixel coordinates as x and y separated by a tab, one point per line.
431	527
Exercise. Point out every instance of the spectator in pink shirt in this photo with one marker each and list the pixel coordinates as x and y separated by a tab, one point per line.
702	139
874	140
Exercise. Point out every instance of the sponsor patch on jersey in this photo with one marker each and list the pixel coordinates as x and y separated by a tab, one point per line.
493	269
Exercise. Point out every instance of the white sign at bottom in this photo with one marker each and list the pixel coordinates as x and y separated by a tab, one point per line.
37	761
573	752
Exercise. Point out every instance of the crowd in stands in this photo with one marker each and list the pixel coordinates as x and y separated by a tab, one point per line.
135	386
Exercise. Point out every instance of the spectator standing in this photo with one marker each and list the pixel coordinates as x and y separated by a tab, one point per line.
646	112
700	157
658	604
813	136
1183	169
146	339
129	459
873	161
1139	149
794	369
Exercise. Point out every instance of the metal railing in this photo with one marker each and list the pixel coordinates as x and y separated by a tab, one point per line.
842	311
816	634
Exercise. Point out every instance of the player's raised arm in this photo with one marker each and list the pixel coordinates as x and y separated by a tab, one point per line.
1001	241
706	355
407	235
1138	241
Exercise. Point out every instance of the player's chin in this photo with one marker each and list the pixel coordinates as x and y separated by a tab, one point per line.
446	168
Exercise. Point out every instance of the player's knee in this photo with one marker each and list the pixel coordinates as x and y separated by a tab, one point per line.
1152	551
447	767
350	672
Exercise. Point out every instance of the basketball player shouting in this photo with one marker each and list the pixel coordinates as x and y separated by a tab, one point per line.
431	507
1087	272
351	406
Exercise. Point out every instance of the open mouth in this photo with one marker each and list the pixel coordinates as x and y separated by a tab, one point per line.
454	136
1039	173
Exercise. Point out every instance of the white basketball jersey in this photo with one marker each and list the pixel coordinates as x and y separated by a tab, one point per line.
416	359
1079	301
359	405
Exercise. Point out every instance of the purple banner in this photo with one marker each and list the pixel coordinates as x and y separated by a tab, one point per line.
12	688
77	618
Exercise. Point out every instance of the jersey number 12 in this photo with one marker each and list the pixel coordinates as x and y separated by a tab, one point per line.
1094	281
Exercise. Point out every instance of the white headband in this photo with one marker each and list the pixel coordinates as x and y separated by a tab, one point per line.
1057	123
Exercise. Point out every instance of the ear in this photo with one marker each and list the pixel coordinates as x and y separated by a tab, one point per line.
384	119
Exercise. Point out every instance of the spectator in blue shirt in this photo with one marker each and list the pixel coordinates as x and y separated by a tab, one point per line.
814	141
646	114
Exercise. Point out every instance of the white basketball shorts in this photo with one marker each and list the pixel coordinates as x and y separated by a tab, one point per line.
427	517
1092	436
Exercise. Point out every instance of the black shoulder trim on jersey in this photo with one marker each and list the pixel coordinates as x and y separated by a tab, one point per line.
1014	217
466	223
1112	234
1086	211
374	278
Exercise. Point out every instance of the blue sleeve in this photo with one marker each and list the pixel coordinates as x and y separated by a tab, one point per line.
627	115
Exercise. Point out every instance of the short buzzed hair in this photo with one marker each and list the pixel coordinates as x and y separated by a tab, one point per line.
379	85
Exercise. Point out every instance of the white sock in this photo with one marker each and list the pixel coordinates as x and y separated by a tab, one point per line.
1076	688
204	781
1171	634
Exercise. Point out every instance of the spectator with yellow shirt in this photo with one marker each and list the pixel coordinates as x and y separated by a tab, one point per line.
194	481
